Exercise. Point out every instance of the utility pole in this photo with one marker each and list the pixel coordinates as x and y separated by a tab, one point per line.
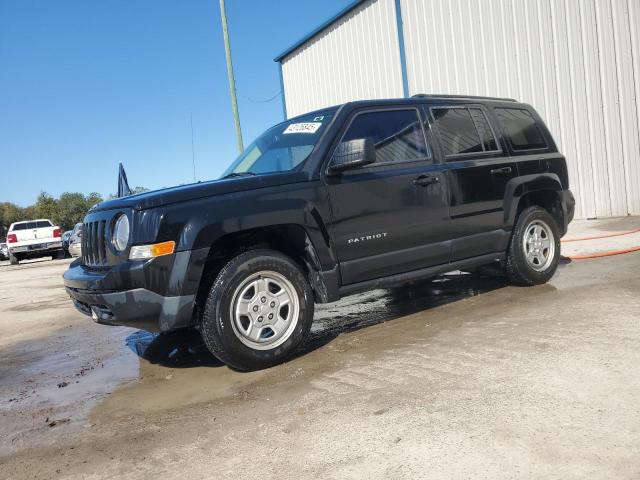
232	82
193	151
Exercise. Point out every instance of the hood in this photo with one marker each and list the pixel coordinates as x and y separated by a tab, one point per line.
184	193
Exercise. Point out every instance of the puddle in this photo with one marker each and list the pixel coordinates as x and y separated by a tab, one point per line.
49	385
113	373
176	370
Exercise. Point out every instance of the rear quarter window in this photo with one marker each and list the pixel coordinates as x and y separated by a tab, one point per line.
464	131
521	129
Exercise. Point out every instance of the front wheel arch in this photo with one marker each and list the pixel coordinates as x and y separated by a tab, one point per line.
217	322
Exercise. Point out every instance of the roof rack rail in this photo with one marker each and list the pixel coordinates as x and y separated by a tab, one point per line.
424	95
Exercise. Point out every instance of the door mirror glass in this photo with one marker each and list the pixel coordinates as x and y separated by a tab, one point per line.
353	154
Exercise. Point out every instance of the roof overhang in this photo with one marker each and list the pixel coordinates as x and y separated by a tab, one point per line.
319	29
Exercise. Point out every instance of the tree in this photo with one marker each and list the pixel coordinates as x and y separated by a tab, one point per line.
134	191
9	213
74	206
93	199
66	211
46	207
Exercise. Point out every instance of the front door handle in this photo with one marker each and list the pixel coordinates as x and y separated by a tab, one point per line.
501	171
425	180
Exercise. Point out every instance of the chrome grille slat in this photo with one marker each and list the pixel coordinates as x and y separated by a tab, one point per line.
101	242
94	249
94	242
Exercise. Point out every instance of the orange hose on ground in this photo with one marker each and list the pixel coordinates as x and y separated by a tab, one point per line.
600	236
609	253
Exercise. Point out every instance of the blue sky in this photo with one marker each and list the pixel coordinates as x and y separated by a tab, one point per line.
87	84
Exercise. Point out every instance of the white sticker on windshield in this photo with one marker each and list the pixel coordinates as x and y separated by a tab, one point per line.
308	127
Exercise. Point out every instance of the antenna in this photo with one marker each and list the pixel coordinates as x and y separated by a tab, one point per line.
193	152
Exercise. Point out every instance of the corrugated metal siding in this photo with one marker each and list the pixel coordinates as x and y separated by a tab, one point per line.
355	58
576	61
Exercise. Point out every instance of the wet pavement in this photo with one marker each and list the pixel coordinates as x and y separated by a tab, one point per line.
460	377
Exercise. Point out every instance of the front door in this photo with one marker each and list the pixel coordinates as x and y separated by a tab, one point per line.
391	216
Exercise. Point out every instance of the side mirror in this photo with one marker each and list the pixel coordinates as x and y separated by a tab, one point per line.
353	154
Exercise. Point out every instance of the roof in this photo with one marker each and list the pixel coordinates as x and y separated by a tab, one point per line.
30	221
319	29
461	97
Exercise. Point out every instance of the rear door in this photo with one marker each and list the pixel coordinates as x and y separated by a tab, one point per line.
478	170
391	216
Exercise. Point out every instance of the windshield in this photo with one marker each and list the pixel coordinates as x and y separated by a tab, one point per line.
283	147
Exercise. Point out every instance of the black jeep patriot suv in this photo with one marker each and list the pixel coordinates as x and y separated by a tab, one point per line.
349	198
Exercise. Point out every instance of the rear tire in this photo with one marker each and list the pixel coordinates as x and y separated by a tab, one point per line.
534	250
15	260
59	255
258	311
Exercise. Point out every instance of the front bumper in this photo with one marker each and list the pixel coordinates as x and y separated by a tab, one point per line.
156	295
75	249
138	308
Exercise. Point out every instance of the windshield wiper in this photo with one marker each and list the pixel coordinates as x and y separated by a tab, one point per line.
239	174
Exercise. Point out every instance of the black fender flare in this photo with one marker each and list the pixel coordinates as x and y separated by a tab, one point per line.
520	186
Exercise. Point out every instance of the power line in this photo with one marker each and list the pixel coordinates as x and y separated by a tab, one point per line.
271	99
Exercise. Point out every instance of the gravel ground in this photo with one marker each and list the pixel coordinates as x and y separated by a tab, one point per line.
457	378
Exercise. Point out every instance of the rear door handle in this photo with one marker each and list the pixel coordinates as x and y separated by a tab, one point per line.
501	171
425	180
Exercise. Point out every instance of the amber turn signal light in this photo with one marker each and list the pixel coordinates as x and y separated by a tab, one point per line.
141	252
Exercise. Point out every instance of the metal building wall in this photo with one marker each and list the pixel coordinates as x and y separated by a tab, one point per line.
576	61
357	57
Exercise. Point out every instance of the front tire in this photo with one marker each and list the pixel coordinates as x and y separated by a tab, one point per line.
258	311
534	251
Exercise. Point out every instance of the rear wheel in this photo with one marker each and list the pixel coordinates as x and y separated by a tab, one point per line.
14	259
534	251
258	311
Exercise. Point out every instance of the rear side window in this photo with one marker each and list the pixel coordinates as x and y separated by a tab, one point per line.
464	131
397	135
521	129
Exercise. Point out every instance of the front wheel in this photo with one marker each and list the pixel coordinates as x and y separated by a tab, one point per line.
258	311
534	250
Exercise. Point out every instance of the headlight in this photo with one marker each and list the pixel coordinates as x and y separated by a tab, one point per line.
120	238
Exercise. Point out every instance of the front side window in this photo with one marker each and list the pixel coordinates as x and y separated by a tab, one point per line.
521	129
464	131
396	134
283	147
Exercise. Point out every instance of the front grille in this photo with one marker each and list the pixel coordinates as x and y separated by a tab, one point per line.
94	248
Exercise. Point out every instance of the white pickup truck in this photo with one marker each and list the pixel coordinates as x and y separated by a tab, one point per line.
32	239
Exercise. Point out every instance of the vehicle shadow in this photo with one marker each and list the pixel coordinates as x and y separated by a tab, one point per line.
371	308
180	349
186	349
